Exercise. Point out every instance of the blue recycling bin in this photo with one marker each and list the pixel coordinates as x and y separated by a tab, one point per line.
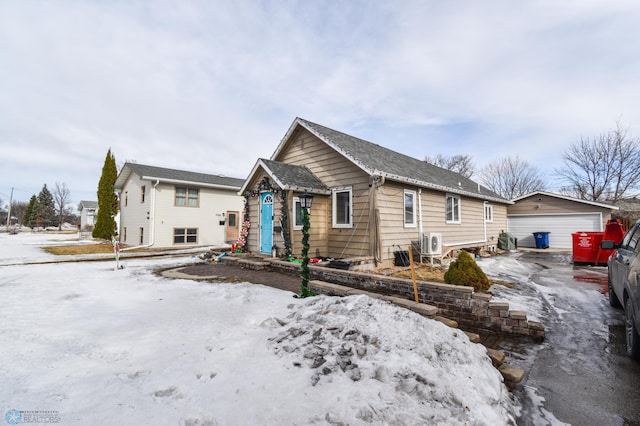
542	239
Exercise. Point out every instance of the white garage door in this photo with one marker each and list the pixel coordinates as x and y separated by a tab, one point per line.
560	228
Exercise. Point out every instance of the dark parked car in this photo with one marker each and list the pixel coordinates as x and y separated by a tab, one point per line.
624	284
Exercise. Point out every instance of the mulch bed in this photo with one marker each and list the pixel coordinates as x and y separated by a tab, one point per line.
232	273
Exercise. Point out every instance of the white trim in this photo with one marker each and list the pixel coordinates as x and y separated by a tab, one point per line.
334	206
294	215
557	214
453	221
465	244
420	211
565	197
413	194
490	207
260	164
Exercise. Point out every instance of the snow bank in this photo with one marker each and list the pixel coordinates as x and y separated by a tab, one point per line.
100	346
374	362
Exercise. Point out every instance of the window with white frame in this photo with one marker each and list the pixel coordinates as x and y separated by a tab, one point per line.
185	235
342	200
488	213
186	197
452	208
409	209
297	214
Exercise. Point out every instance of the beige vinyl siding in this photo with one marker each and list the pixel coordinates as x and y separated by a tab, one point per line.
498	225
253	239
318	227
318	219
470	230
540	204
393	234
334	171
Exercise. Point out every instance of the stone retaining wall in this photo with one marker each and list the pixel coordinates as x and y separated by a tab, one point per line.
473	311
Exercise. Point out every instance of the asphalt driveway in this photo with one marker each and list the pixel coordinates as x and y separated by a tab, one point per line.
581	370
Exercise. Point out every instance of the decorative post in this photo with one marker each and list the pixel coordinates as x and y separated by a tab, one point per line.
116	251
305	202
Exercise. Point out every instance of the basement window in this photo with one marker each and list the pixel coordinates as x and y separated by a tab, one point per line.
185	235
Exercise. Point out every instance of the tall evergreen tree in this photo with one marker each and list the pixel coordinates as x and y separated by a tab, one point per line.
107	200
30	212
46	210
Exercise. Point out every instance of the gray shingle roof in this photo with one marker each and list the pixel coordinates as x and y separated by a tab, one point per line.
290	176
172	175
87	205
378	160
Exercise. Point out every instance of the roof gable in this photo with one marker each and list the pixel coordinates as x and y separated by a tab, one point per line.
289	176
84	204
564	197
377	160
177	176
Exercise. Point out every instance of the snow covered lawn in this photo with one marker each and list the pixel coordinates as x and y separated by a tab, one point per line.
98	346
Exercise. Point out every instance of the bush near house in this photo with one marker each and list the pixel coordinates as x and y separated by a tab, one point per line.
465	271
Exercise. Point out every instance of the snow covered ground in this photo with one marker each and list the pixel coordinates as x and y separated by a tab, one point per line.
92	345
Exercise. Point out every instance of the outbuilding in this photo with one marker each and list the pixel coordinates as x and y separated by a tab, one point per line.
559	215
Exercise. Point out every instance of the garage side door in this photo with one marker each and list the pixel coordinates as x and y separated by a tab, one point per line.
560	228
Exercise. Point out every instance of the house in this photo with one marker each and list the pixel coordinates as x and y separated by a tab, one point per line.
557	214
369	201
88	210
162	207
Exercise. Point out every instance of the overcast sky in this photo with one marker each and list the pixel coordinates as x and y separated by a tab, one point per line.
211	86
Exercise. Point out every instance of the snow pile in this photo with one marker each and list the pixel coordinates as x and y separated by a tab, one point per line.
383	364
102	346
525	294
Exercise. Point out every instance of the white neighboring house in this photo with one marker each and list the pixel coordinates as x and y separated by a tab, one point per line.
162	207
88	211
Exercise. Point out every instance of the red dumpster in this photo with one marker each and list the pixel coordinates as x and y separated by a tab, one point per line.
586	245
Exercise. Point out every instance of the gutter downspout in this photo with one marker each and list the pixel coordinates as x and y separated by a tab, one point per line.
420	213
484	219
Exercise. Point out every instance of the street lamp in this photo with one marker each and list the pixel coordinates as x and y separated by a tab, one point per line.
306	200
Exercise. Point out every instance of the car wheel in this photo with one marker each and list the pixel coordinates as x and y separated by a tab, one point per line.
633	340
613	299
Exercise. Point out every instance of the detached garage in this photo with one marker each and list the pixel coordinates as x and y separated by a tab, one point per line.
559	215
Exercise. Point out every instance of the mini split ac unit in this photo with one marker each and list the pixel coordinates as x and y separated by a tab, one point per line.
432	243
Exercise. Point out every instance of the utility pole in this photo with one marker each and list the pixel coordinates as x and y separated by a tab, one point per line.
9	212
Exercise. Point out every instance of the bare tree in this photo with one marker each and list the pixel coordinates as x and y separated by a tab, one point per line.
18	208
61	197
457	163
604	168
511	177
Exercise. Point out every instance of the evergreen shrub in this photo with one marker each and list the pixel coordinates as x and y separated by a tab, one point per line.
465	271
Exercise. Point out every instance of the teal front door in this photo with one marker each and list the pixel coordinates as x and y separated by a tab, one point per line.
266	222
